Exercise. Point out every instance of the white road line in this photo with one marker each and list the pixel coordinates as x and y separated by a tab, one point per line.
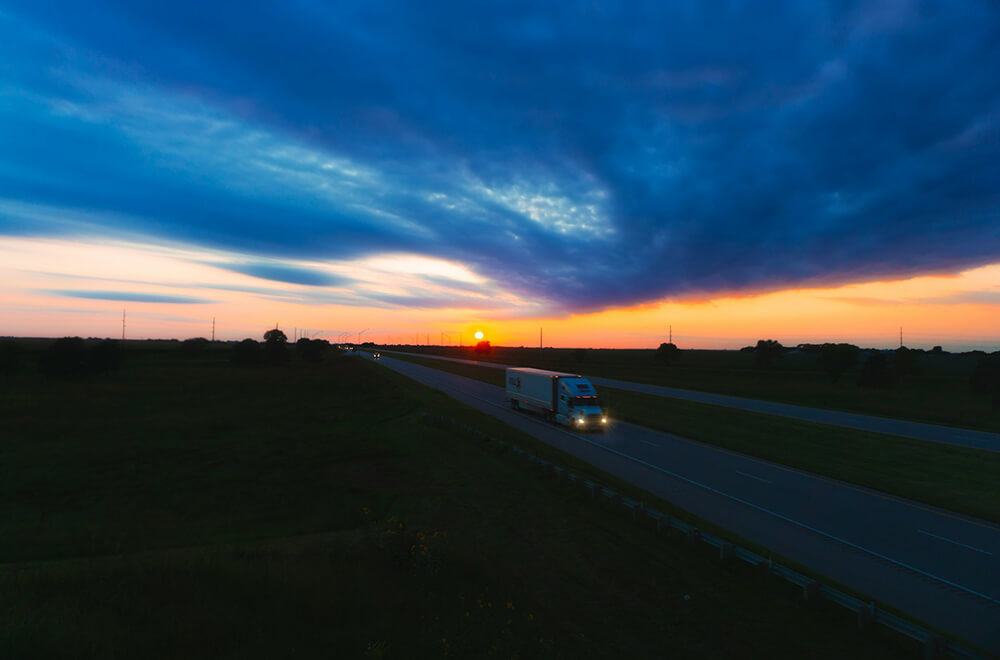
766	481
777	515
943	538
649	443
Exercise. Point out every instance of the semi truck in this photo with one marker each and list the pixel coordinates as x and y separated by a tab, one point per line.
567	399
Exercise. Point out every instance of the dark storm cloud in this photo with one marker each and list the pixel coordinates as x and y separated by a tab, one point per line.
584	158
130	296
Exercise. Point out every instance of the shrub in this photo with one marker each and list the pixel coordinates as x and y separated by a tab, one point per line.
311	350
835	359
246	353
767	351
483	348
667	353
275	345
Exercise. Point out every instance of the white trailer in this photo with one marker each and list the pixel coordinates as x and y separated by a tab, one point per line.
567	399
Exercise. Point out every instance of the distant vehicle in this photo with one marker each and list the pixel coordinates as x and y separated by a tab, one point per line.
376	356
567	399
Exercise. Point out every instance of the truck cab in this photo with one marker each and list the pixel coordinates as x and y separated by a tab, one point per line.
579	407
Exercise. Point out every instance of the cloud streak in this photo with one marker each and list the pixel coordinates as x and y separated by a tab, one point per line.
575	159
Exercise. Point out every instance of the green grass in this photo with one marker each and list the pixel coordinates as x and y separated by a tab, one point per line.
939	394
955	478
189	509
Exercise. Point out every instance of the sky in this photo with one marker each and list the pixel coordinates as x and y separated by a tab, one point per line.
614	173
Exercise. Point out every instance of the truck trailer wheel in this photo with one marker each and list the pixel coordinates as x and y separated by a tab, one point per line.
515	404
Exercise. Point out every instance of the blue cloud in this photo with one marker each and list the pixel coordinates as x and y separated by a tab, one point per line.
283	273
581	158
131	296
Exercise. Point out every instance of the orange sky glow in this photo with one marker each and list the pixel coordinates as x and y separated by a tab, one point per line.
56	288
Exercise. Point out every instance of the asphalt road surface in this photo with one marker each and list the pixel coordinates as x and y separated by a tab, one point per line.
939	566
931	432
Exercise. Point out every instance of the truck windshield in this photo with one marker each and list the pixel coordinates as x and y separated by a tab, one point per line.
587	401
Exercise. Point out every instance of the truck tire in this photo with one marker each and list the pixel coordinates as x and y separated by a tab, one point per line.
515	404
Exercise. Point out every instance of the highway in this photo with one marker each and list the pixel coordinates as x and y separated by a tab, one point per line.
939	566
931	432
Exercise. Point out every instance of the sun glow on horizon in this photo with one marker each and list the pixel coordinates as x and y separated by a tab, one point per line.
60	287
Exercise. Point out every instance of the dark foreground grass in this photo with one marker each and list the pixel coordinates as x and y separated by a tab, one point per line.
939	392
956	478
193	510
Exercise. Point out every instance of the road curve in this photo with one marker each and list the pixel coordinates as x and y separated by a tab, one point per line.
941	567
931	432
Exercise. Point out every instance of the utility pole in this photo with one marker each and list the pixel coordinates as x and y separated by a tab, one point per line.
359	335
123	324
539	339
901	337
213	329
671	334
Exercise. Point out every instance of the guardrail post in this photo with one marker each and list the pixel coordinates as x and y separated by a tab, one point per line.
638	509
663	522
764	565
594	490
616	499
865	618
693	534
725	550
810	590
935	647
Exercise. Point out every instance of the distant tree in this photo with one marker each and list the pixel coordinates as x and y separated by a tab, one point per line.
876	372
105	357
767	351
483	348
937	350
276	345
580	354
195	347
246	353
311	350
65	358
835	359
667	353
275	337
11	356
986	377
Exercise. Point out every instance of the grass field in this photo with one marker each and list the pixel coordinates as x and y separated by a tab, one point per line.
939	392
955	478
187	508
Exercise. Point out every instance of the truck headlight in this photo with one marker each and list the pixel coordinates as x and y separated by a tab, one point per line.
604	420
579	421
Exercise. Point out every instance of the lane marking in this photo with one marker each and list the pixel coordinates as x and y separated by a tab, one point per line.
944	538
653	444
766	481
898	499
757	507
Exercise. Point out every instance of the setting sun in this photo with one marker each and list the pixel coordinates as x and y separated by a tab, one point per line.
479	334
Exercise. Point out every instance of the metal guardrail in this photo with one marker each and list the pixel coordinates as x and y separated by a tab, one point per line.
935	646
